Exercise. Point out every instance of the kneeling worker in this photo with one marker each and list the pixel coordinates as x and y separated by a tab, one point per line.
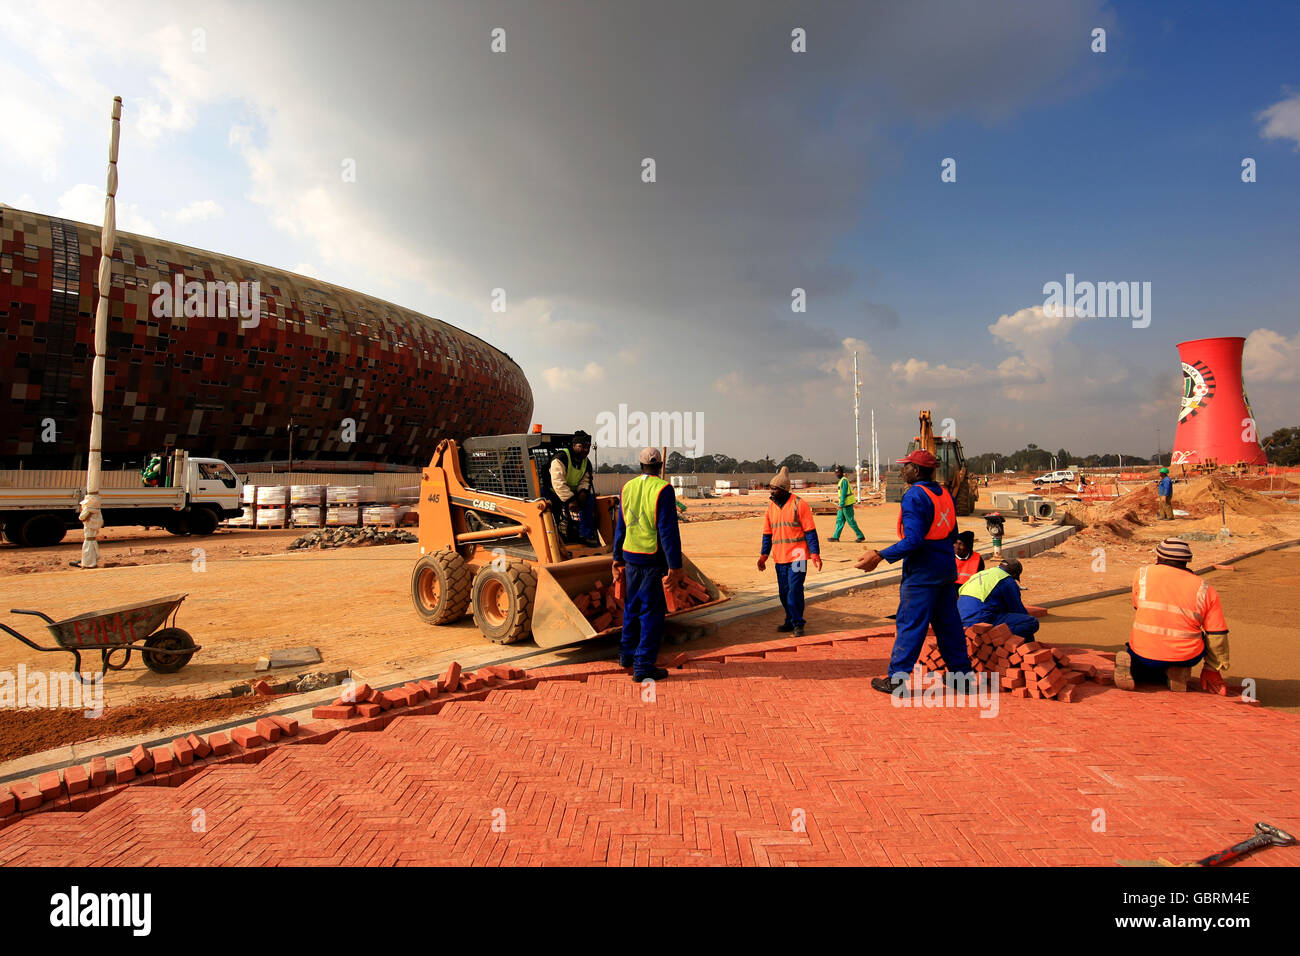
571	483
1179	620
992	597
648	550
969	561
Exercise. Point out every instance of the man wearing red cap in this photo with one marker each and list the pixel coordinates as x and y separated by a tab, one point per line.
927	597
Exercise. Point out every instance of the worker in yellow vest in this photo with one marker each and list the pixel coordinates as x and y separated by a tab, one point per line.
846	502
790	537
647	551
571	487
1178	621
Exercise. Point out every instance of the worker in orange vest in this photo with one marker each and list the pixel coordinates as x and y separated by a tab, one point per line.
790	536
1179	621
969	561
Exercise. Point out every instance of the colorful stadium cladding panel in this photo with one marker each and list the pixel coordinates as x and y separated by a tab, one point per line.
181	373
1215	423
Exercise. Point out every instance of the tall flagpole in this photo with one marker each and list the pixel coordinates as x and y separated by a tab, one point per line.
857	442
875	455
91	518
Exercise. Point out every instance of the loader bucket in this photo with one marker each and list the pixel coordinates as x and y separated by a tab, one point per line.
557	620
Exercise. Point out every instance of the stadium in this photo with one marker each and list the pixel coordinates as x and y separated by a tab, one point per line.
357	379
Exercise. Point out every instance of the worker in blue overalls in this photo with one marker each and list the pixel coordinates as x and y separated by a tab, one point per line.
927	597
647	552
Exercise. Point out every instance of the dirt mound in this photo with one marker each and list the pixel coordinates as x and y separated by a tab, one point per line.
1236	500
1112	519
1240	525
31	730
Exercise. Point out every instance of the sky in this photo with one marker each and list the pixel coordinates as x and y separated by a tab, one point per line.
389	148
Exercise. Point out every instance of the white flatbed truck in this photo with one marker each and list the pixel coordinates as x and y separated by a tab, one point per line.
198	493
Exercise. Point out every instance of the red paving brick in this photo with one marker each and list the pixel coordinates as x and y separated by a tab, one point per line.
788	759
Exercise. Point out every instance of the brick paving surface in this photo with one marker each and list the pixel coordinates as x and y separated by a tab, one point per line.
787	757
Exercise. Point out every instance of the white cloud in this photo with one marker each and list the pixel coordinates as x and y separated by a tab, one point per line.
566	379
1271	357
85	203
1282	120
197	211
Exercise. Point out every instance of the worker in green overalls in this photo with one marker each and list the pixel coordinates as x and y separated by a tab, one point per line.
152	471
845	512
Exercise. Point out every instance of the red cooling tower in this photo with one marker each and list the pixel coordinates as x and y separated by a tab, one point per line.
1215	422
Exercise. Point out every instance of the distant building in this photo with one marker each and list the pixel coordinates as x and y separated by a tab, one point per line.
217	355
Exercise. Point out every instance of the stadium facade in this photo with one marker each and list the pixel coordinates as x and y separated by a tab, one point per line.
360	379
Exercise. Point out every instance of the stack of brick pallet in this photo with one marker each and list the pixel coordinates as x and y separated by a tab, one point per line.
387	516
308	505
248	498
602	606
271	506
1026	668
341	510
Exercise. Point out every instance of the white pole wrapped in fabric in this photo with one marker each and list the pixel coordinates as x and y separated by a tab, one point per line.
857	440
91	518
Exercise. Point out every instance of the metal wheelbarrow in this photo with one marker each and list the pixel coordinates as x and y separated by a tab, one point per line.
131	627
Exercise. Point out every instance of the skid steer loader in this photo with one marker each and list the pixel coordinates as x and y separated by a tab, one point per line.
490	544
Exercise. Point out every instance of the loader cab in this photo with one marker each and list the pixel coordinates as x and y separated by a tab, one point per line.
513	466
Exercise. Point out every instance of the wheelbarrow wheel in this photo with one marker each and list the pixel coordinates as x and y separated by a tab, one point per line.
168	639
440	586
503	602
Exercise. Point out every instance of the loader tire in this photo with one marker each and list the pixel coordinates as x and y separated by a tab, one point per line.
440	587
965	500
503	602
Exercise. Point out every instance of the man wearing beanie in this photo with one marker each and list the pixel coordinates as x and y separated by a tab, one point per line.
647	550
927	597
571	489
1178	621
790	536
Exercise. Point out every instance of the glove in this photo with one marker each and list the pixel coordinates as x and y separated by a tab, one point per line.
1216	651
762	562
618	571
1212	682
817	561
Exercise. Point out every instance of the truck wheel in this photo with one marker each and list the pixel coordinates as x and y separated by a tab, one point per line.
177	525
201	521
168	639
503	602
41	531
440	586
11	533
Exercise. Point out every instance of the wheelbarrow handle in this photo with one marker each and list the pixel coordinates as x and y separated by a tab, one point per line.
18	610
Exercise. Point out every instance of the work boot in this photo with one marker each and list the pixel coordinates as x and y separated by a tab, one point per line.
1124	671
887	684
798	630
655	673
833	539
1178	678
625	662
858	540
785	628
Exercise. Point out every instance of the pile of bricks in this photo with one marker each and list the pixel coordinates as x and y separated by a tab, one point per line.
362	700
602	606
1027	668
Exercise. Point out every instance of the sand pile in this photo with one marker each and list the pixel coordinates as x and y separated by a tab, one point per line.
1214	491
1113	519
1239	525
